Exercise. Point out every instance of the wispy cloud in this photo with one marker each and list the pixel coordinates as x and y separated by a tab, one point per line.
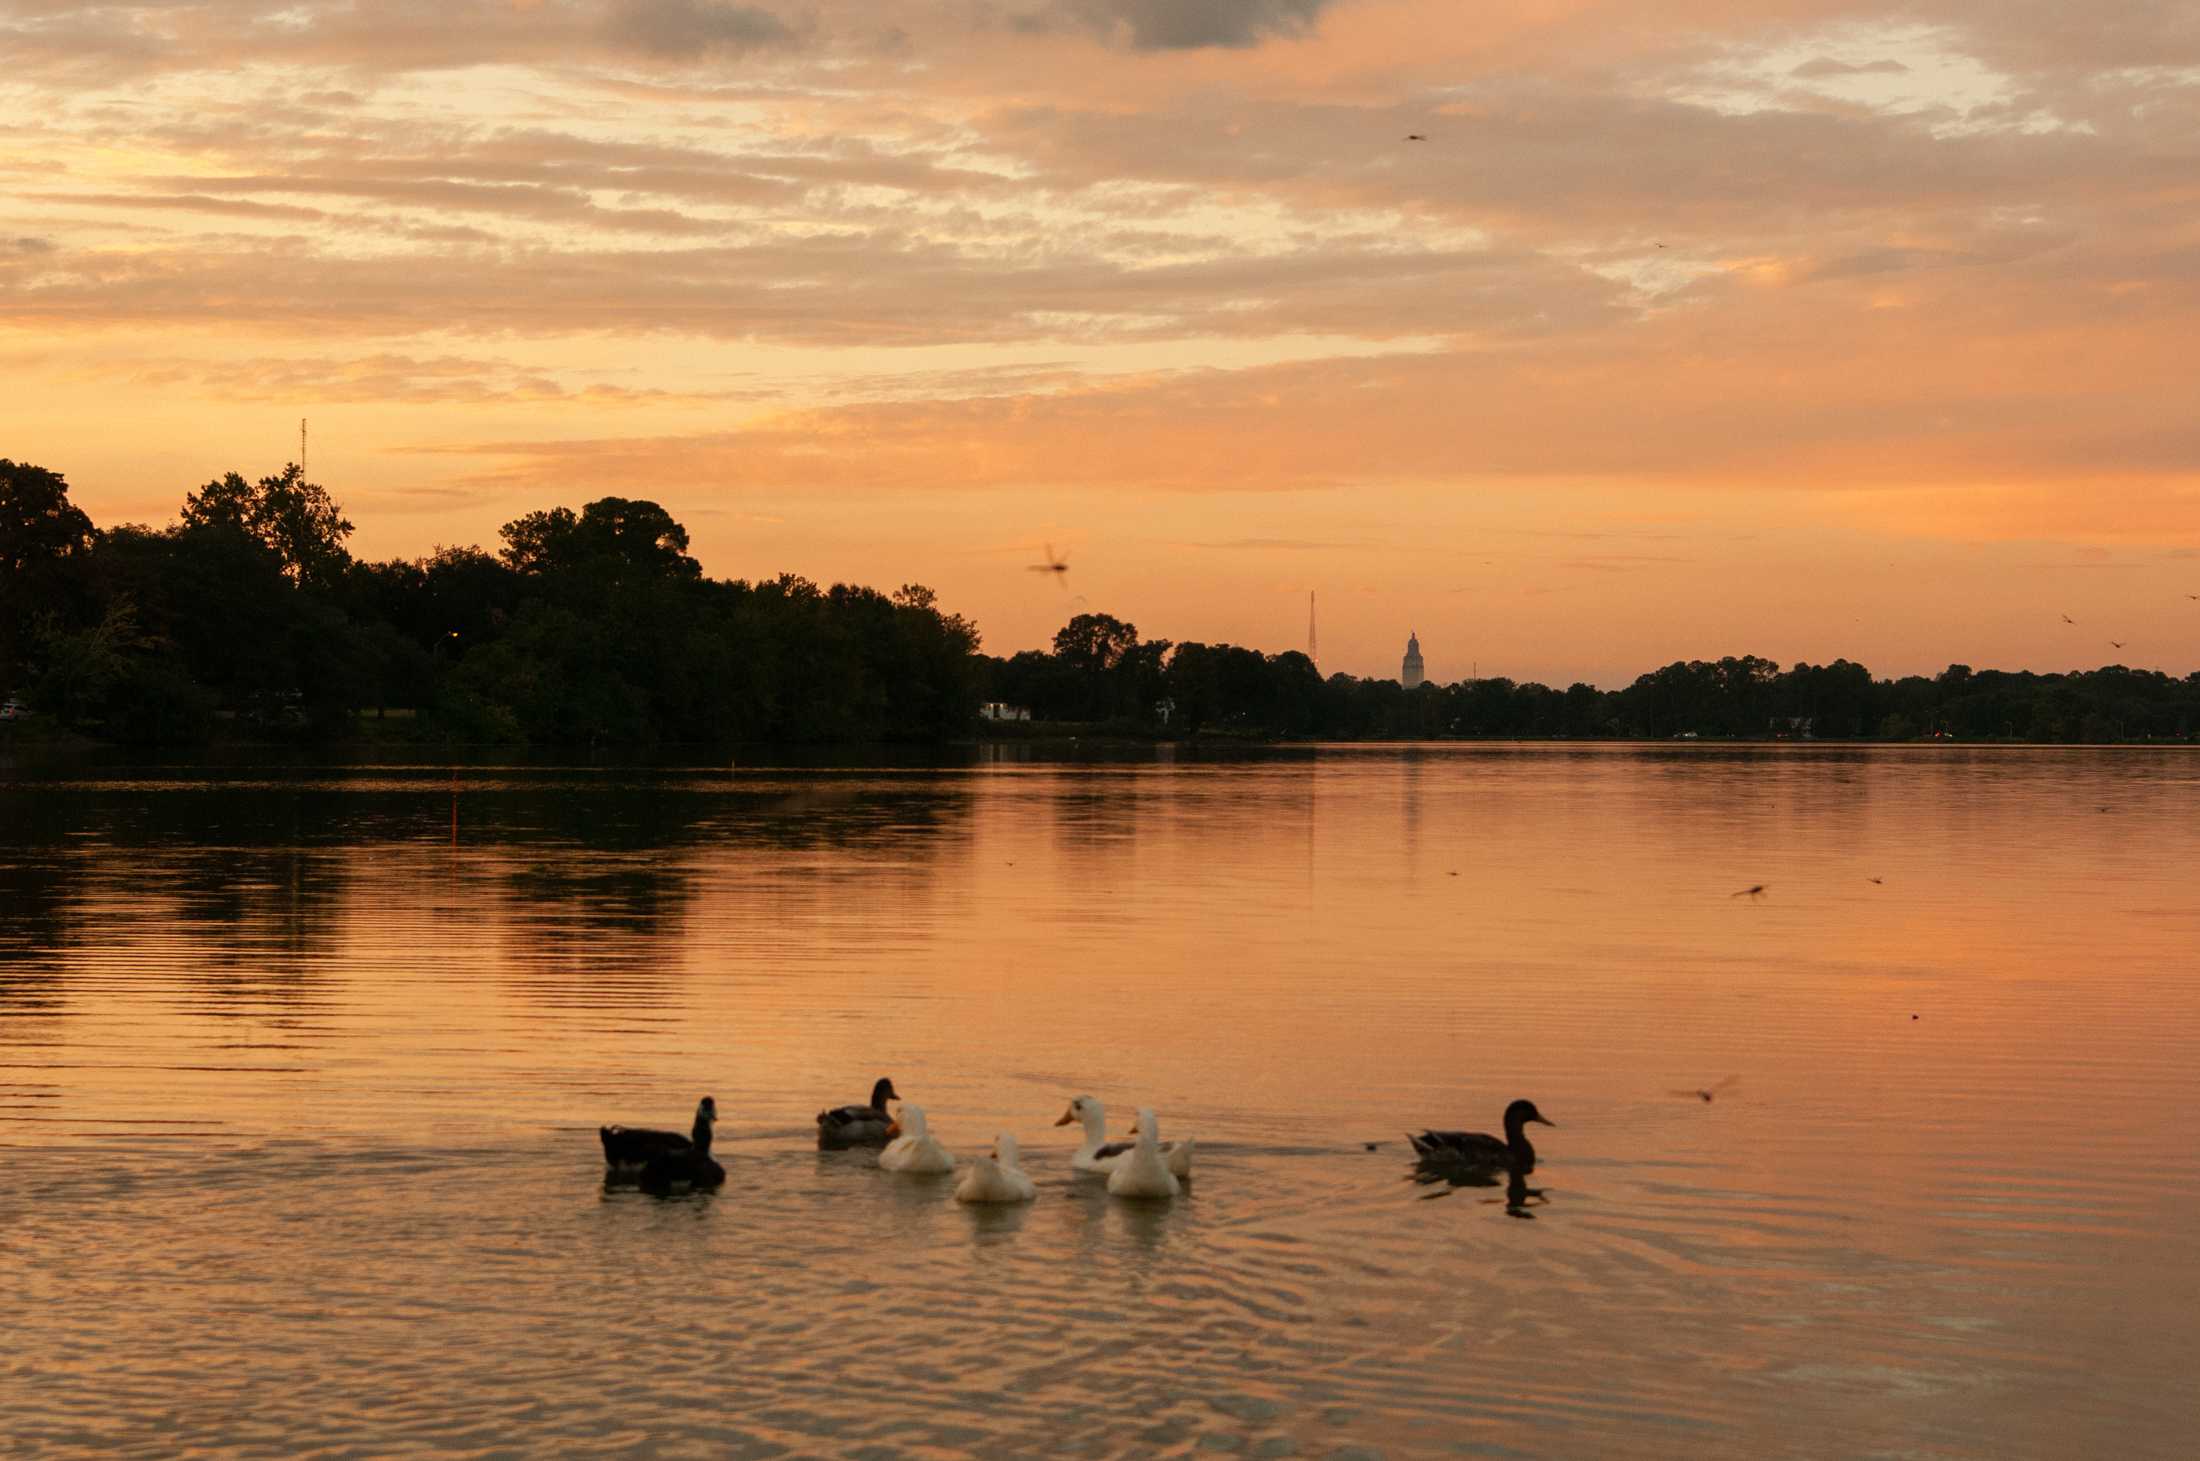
1179	25
690	29
1828	66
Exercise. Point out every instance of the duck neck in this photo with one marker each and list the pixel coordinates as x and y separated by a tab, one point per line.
700	1136
1516	1143
1148	1152
880	1096
1096	1128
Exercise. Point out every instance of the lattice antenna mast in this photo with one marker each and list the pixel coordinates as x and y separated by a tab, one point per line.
301	446
1313	638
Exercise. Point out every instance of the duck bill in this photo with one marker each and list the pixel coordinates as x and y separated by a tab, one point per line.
893	1130
1067	1117
1543	1121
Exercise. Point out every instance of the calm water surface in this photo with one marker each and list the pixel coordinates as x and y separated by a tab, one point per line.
300	1070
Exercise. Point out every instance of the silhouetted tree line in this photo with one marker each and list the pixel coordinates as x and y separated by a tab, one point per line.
597	626
593	626
1100	671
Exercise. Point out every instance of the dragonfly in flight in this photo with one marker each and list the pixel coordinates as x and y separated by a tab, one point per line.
1056	566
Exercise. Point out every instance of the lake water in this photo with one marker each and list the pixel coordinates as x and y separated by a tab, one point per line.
300	1071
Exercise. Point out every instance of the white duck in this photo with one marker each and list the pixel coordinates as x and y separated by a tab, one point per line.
913	1149
1143	1171
1098	1154
995	1178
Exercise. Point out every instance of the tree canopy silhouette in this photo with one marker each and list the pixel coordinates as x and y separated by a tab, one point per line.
292	518
1226	689
591	626
596	626
611	537
43	536
38	523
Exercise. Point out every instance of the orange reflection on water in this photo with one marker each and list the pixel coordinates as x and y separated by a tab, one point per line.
1883	1221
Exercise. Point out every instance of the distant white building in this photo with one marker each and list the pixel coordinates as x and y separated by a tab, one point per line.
1412	674
995	710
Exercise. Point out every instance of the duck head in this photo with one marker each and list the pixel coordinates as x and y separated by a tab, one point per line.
706	1114
1004	1149
883	1092
1089	1112
1520	1113
1149	1128
909	1123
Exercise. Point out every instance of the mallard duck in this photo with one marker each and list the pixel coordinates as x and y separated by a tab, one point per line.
1475	1149
997	1177
1143	1171
691	1170
846	1126
913	1150
1098	1154
628	1149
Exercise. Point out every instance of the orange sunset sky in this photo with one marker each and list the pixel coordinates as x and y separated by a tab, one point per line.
1800	328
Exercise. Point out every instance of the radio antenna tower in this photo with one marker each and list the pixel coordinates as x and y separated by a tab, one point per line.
1313	639
301	446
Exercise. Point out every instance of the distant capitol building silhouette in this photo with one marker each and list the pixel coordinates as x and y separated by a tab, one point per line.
1413	673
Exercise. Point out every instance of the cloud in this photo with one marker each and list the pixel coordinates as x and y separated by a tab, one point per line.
391	377
880	287
181	202
1882	401
29	245
1539	159
353	41
1828	66
1070	251
690	29
1182	25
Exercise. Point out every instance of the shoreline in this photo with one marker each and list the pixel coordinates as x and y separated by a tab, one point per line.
1067	739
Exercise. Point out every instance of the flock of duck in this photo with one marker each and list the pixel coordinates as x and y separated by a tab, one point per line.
1140	1166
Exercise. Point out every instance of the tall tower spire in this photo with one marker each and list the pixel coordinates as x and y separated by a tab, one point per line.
1313	640
1412	672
